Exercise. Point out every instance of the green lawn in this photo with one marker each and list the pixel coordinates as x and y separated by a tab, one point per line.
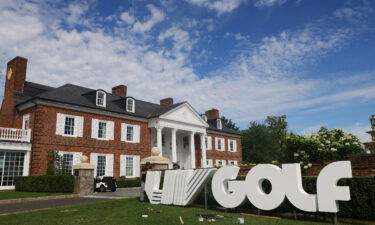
128	211
4	195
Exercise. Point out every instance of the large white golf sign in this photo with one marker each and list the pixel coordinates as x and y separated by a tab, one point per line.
181	187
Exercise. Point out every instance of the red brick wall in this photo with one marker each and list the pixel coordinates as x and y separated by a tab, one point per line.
45	139
225	155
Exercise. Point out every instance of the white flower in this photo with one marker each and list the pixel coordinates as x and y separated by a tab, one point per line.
302	152
328	142
356	143
296	154
300	162
333	149
347	143
310	165
305	167
319	149
322	145
368	152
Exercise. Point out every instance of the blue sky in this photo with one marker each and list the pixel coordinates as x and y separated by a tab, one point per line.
312	60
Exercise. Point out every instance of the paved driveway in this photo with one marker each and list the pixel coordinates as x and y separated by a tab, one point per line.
43	204
118	194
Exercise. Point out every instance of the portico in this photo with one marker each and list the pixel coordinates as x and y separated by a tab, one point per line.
175	133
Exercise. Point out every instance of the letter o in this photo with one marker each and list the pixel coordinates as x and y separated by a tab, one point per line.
255	193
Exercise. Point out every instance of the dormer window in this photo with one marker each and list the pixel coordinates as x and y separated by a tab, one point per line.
219	124
204	117
130	105
100	98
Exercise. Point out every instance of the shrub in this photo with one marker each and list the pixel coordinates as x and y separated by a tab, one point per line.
122	182
361	205
47	183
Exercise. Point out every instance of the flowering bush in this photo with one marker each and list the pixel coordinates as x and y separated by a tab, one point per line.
325	145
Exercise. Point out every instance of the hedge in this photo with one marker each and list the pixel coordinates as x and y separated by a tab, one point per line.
361	205
47	183
122	183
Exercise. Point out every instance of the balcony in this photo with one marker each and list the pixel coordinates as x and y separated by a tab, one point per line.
13	134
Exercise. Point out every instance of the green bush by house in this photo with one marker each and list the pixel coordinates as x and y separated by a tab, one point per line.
48	183
361	205
122	182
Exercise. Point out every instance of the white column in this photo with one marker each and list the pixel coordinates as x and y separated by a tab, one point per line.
26	163
174	146
203	147
159	139
192	150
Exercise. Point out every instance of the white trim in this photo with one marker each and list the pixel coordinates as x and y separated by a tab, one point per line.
15	146
127	102
234	145
136	133
136	165
235	162
219	124
220	160
209	163
222	149
104	98
24	118
209	143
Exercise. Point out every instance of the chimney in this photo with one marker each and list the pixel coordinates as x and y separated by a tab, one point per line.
120	90
212	114
16	74
166	101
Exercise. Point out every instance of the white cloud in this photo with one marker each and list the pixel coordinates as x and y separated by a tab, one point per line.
360	130
126	17
220	6
266	3
156	17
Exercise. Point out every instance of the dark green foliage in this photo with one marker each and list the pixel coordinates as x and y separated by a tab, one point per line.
122	183
259	144
54	163
48	183
229	123
361	205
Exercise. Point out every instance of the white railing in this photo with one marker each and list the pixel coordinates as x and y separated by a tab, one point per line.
13	134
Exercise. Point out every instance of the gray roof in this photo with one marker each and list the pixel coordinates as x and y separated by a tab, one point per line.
224	129
86	97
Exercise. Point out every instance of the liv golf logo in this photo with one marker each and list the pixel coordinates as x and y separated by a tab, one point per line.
181	187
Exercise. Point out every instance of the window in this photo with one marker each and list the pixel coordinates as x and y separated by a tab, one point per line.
163	140
129	170
209	162
67	163
11	166
69	126
100	98
130	106
100	169
185	141
232	145
219	124
220	144
220	162
26	122
232	162
204	117
102	130
130	133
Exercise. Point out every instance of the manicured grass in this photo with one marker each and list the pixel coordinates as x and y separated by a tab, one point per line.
128	211
4	195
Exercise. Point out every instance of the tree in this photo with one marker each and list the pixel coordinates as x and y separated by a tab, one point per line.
54	163
279	128
259	144
324	145
229	123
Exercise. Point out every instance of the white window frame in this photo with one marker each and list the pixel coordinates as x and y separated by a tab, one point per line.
97	165
74	124
136	133
204	117
208	142
104	98
127	104
219	124
25	118
135	166
222	149
235	162
223	161
234	145
104	131
132	167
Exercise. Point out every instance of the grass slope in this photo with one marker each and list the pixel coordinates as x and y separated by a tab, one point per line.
128	211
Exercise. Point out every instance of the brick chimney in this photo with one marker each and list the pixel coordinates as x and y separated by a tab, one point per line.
15	76
166	101
120	90
212	114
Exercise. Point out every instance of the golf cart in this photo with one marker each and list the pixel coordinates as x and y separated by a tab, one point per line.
105	183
